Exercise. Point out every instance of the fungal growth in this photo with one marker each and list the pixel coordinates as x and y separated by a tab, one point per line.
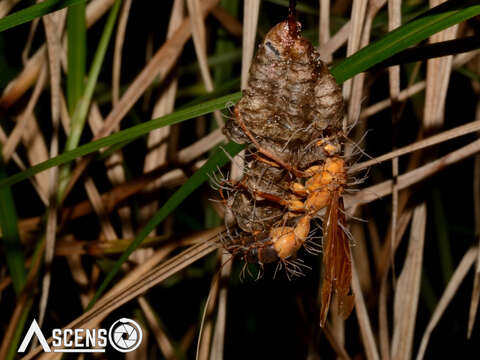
290	116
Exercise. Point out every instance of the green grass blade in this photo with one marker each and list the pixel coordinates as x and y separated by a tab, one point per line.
420	28
81	110
77	52
83	103
10	238
417	30
219	91
199	177
31	278
470	74
12	349
34	11
125	135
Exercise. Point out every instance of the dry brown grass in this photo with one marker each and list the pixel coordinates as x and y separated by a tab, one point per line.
388	291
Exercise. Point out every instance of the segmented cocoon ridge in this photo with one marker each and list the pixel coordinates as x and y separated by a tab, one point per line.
291	116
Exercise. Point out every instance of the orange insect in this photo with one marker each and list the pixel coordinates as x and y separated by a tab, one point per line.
291	116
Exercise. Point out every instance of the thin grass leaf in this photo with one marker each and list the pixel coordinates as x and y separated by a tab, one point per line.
439	49
450	291
199	41
83	103
470	74
408	288
10	237
12	350
117	52
152	318
77	52
125	135
420	28
219	91
142	278
228	57
23	306
34	11
371	350
474	302
199	177
433	20
250	23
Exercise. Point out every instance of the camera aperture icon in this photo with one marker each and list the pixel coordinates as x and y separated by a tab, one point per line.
125	335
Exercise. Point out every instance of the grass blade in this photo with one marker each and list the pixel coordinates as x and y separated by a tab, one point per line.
34	11
199	177
77	51
450	291
417	30
407	291
83	103
81	110
125	135
10	237
420	28
12	350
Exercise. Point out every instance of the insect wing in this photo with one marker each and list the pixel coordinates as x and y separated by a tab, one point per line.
337	261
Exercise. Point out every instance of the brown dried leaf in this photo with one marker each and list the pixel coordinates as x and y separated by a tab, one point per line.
16	134
52	23
163	342
6	6
476	208
382	189
117	53
158	139
368	339
250	19
140	279
229	22
160	64
18	86
216	352
438	77
407	291
324	28
461	271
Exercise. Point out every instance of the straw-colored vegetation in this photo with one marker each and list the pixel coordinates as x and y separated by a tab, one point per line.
109	130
